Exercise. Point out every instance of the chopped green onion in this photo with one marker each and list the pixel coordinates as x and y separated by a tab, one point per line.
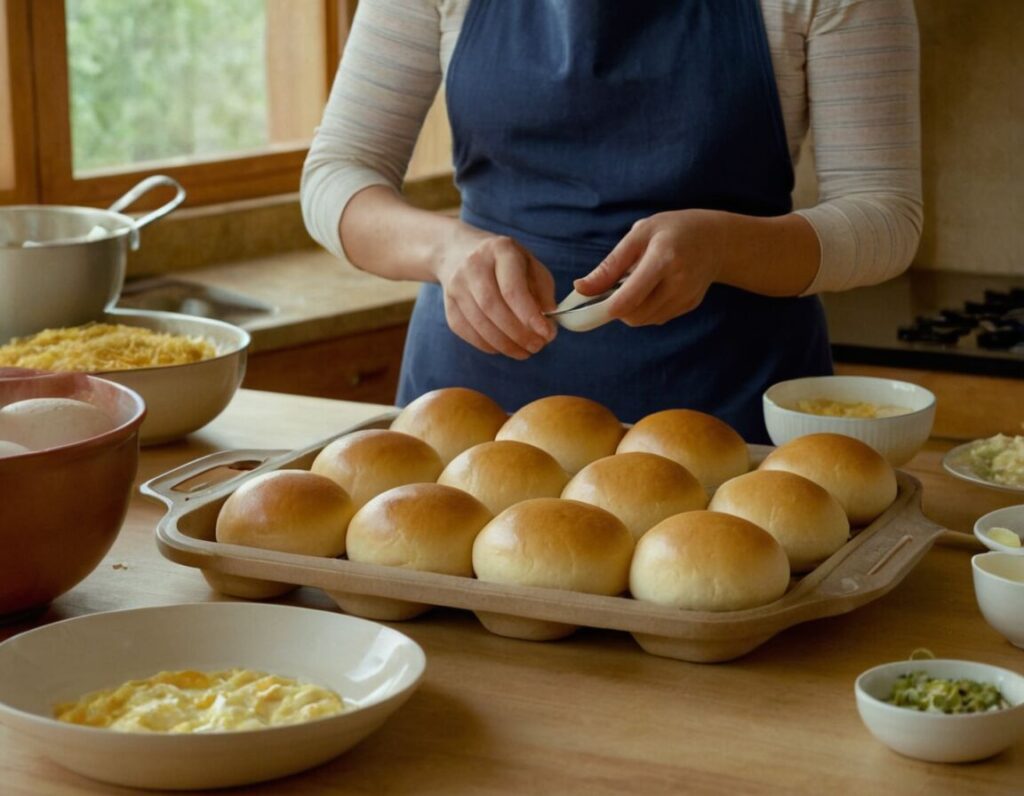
919	691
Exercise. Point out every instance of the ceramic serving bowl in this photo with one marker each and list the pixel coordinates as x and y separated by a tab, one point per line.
999	589
1011	518
938	737
897	438
61	508
183	398
375	670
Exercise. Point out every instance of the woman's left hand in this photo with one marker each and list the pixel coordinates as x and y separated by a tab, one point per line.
671	259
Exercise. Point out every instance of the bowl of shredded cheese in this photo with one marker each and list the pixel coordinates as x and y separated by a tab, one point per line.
203	695
893	417
186	368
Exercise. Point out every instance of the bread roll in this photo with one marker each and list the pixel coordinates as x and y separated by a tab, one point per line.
576	431
451	420
805	519
708	561
641	489
557	544
427	527
504	472
367	463
704	445
291	511
854	473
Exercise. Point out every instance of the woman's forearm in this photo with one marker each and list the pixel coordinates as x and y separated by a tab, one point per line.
385	235
774	256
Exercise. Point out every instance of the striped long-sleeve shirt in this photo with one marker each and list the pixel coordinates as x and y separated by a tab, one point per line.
847	70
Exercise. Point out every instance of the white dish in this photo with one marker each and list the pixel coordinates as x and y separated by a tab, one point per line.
897	437
579	313
956	463
999	589
182	398
938	737
374	668
1011	518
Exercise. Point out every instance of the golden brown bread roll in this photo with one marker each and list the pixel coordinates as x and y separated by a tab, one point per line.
427	527
554	543
366	463
576	431
292	511
708	561
703	444
502	473
451	420
853	472
641	489
559	544
805	519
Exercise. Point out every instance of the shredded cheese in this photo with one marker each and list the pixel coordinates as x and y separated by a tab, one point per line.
103	346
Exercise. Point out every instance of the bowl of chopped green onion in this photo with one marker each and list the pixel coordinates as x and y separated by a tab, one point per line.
943	711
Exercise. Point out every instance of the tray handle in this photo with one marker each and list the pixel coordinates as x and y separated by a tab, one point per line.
895	550
205	476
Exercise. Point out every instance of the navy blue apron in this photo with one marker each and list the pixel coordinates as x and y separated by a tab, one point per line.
571	120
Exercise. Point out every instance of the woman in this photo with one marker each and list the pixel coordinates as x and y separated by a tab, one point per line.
652	140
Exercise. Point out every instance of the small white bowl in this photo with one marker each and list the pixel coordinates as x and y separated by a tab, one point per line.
374	668
897	438
1011	518
999	589
938	737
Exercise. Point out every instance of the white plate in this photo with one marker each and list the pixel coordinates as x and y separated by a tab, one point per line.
955	462
374	668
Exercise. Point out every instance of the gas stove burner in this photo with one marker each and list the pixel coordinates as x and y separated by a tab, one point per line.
998	320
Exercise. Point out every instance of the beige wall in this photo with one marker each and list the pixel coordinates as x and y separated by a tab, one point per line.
972	115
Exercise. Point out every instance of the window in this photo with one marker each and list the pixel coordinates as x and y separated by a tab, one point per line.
221	94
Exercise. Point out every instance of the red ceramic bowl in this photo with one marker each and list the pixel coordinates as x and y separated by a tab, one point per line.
61	508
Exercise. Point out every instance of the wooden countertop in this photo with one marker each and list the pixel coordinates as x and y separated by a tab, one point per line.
592	714
315	297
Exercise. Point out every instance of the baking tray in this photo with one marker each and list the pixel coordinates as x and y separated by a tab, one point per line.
872	563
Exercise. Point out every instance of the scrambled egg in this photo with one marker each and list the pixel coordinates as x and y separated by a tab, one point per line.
822	406
191	701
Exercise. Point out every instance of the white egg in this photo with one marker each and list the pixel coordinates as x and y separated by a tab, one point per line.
39	423
11	448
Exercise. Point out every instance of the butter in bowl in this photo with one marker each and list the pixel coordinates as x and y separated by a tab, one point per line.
893	417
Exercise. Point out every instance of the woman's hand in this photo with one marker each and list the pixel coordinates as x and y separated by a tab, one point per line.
495	292
671	258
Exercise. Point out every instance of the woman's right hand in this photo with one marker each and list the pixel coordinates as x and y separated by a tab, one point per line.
495	292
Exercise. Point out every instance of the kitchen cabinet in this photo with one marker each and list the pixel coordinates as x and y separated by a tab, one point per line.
361	367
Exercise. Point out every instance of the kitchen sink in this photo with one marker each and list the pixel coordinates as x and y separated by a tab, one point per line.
191	298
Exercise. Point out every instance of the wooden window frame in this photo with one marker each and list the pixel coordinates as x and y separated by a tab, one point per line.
21	123
41	124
